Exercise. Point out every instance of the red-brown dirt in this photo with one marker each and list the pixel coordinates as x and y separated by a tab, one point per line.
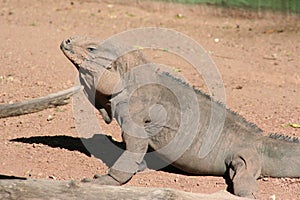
257	55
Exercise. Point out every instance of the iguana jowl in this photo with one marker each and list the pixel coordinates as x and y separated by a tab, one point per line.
241	151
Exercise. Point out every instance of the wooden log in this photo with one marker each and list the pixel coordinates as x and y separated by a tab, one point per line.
37	104
52	189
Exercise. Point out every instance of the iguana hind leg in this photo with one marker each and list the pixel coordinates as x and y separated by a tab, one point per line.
244	169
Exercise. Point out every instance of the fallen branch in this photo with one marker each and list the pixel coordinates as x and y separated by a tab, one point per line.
51	189
37	104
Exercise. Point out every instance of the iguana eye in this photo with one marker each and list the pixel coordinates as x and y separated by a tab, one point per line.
91	49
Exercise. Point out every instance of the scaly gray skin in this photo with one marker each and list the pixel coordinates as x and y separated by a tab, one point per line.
241	150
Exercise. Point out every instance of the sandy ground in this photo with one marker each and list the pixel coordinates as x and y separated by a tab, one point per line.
257	55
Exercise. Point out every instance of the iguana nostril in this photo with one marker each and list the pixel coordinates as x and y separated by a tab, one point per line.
68	41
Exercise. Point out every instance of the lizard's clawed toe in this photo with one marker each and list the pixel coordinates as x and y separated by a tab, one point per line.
98	176
86	180
102	180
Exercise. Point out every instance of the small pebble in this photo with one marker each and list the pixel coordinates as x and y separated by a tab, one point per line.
50	117
265	179
52	177
273	197
239	87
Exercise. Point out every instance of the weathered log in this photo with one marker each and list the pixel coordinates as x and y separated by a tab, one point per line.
52	189
37	104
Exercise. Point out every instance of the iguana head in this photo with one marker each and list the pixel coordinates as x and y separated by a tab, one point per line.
89	56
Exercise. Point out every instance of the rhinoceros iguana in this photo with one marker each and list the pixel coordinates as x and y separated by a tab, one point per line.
155	109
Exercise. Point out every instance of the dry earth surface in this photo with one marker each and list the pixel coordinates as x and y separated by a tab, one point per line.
257	55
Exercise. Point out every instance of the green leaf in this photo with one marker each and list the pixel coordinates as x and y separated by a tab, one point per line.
130	14
179	16
33	24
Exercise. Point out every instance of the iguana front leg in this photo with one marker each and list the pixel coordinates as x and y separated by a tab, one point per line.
136	140
244	169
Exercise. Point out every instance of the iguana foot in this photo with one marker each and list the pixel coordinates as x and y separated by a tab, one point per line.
245	167
142	166
102	180
246	194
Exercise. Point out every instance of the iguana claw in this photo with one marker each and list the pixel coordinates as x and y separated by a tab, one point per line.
102	180
247	194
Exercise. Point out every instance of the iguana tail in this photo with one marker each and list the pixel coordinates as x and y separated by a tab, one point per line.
280	156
